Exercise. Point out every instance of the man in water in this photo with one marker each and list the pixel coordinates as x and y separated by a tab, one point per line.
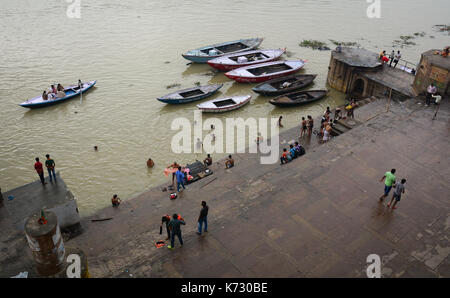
40	170
279	121
175	229
115	200
150	163
50	164
389	180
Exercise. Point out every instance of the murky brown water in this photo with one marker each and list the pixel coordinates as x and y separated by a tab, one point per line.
125	46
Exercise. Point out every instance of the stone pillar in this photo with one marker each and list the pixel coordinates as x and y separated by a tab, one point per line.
46	243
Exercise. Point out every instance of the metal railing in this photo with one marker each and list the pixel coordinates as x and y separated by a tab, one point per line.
406	66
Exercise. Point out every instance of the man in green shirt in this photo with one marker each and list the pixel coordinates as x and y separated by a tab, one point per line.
389	180
50	164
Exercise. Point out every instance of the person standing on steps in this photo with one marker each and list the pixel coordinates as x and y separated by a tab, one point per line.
202	218
397	58
40	170
50	164
175	229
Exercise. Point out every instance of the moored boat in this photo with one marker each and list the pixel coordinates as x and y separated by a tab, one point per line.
190	94
265	71
69	92
220	105
284	84
236	60
298	98
204	54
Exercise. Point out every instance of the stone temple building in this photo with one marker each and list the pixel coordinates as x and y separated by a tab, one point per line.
360	74
433	68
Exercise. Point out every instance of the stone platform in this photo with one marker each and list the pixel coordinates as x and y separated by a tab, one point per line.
318	216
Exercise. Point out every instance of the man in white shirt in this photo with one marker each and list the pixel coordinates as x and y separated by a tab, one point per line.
430	91
397	58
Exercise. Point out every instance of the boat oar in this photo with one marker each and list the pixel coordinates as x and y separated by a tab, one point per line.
81	91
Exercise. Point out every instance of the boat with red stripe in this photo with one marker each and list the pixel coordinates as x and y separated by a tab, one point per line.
266	71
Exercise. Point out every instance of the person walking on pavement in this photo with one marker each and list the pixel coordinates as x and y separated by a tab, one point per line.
180	178
50	164
389	180
40	170
175	229
202	218
399	189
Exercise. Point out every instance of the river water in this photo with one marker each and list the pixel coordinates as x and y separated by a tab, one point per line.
133	49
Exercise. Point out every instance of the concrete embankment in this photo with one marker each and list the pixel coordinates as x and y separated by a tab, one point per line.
316	216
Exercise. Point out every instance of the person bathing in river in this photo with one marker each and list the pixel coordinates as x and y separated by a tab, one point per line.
115	200
150	163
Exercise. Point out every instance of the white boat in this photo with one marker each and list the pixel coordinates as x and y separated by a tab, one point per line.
220	105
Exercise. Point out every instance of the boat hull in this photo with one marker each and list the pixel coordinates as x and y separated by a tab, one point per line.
208	91
227	108
200	56
52	102
316	95
224	64
245	74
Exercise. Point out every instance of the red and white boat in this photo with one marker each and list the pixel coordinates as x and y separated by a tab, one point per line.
266	71
236	60
224	104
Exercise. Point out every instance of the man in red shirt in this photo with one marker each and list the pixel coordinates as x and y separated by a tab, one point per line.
40	170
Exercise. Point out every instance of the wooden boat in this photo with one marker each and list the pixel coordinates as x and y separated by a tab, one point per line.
284	84
70	92
264	72
298	98
224	104
204	54
190	94
233	61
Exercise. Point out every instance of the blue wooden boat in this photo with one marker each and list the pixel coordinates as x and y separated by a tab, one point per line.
204	54
190	94
70	92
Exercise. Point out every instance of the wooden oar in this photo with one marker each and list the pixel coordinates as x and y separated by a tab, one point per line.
81	91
